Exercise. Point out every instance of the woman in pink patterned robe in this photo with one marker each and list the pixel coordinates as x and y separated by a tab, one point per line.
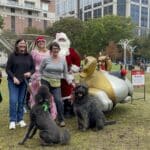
38	55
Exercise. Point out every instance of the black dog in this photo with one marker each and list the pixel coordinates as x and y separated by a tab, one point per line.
87	110
40	119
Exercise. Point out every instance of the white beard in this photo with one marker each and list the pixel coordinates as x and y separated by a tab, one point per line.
64	49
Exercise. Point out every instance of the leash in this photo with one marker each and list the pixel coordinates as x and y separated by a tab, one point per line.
28	86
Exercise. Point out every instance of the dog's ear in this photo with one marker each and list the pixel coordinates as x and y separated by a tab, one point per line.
84	85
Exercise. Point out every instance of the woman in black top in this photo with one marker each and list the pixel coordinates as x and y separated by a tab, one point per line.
20	66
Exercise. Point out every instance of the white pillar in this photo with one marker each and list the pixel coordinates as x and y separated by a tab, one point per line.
128	8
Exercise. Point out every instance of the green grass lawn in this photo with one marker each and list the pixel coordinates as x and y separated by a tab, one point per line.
132	131
115	67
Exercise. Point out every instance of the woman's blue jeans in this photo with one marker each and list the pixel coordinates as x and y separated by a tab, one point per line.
16	100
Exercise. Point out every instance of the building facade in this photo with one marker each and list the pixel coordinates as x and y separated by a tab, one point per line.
21	14
138	10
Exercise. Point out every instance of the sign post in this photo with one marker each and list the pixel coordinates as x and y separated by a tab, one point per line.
138	80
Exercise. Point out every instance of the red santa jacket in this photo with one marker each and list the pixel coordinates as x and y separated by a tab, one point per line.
73	62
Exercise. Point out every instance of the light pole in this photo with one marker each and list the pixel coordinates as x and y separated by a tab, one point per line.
131	48
124	44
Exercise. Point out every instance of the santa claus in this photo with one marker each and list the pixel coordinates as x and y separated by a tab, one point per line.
73	62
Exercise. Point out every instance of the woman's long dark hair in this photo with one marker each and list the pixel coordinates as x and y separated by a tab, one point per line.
54	44
16	50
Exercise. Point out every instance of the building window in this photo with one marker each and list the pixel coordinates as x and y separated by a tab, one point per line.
135	13
12	10
80	14
145	2
45	15
97	3
97	13
121	7
29	12
137	1
71	12
71	5
45	24
87	2
13	0
29	22
13	22
29	4
108	1
144	16
45	6
87	7
108	10
143	32
87	15
149	19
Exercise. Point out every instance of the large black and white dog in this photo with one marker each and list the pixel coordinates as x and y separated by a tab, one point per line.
40	119
87	110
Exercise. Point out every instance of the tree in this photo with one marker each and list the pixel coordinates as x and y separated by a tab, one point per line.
143	47
116	28
91	36
113	52
33	30
71	26
1	22
99	32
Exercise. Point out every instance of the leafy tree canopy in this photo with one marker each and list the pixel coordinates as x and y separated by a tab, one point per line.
92	36
33	30
1	22
71	26
143	47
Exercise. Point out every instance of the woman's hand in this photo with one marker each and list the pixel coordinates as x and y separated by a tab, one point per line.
27	74
16	81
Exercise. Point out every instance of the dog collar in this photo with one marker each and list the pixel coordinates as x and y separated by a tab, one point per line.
45	107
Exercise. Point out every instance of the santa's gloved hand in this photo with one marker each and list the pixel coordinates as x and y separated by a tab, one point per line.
75	68
70	78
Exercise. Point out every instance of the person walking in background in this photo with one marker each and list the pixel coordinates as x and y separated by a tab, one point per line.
123	71
19	67
52	70
39	53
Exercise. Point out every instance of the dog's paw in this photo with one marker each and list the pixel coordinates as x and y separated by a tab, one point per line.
46	144
21	143
30	137
82	129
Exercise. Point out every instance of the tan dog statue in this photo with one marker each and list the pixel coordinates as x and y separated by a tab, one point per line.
110	89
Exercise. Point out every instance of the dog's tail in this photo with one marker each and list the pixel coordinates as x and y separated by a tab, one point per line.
111	122
65	137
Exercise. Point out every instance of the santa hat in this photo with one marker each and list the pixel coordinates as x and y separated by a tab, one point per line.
61	35
40	38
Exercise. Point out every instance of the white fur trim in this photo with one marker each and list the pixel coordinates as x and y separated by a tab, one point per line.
75	68
64	52
70	78
66	97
